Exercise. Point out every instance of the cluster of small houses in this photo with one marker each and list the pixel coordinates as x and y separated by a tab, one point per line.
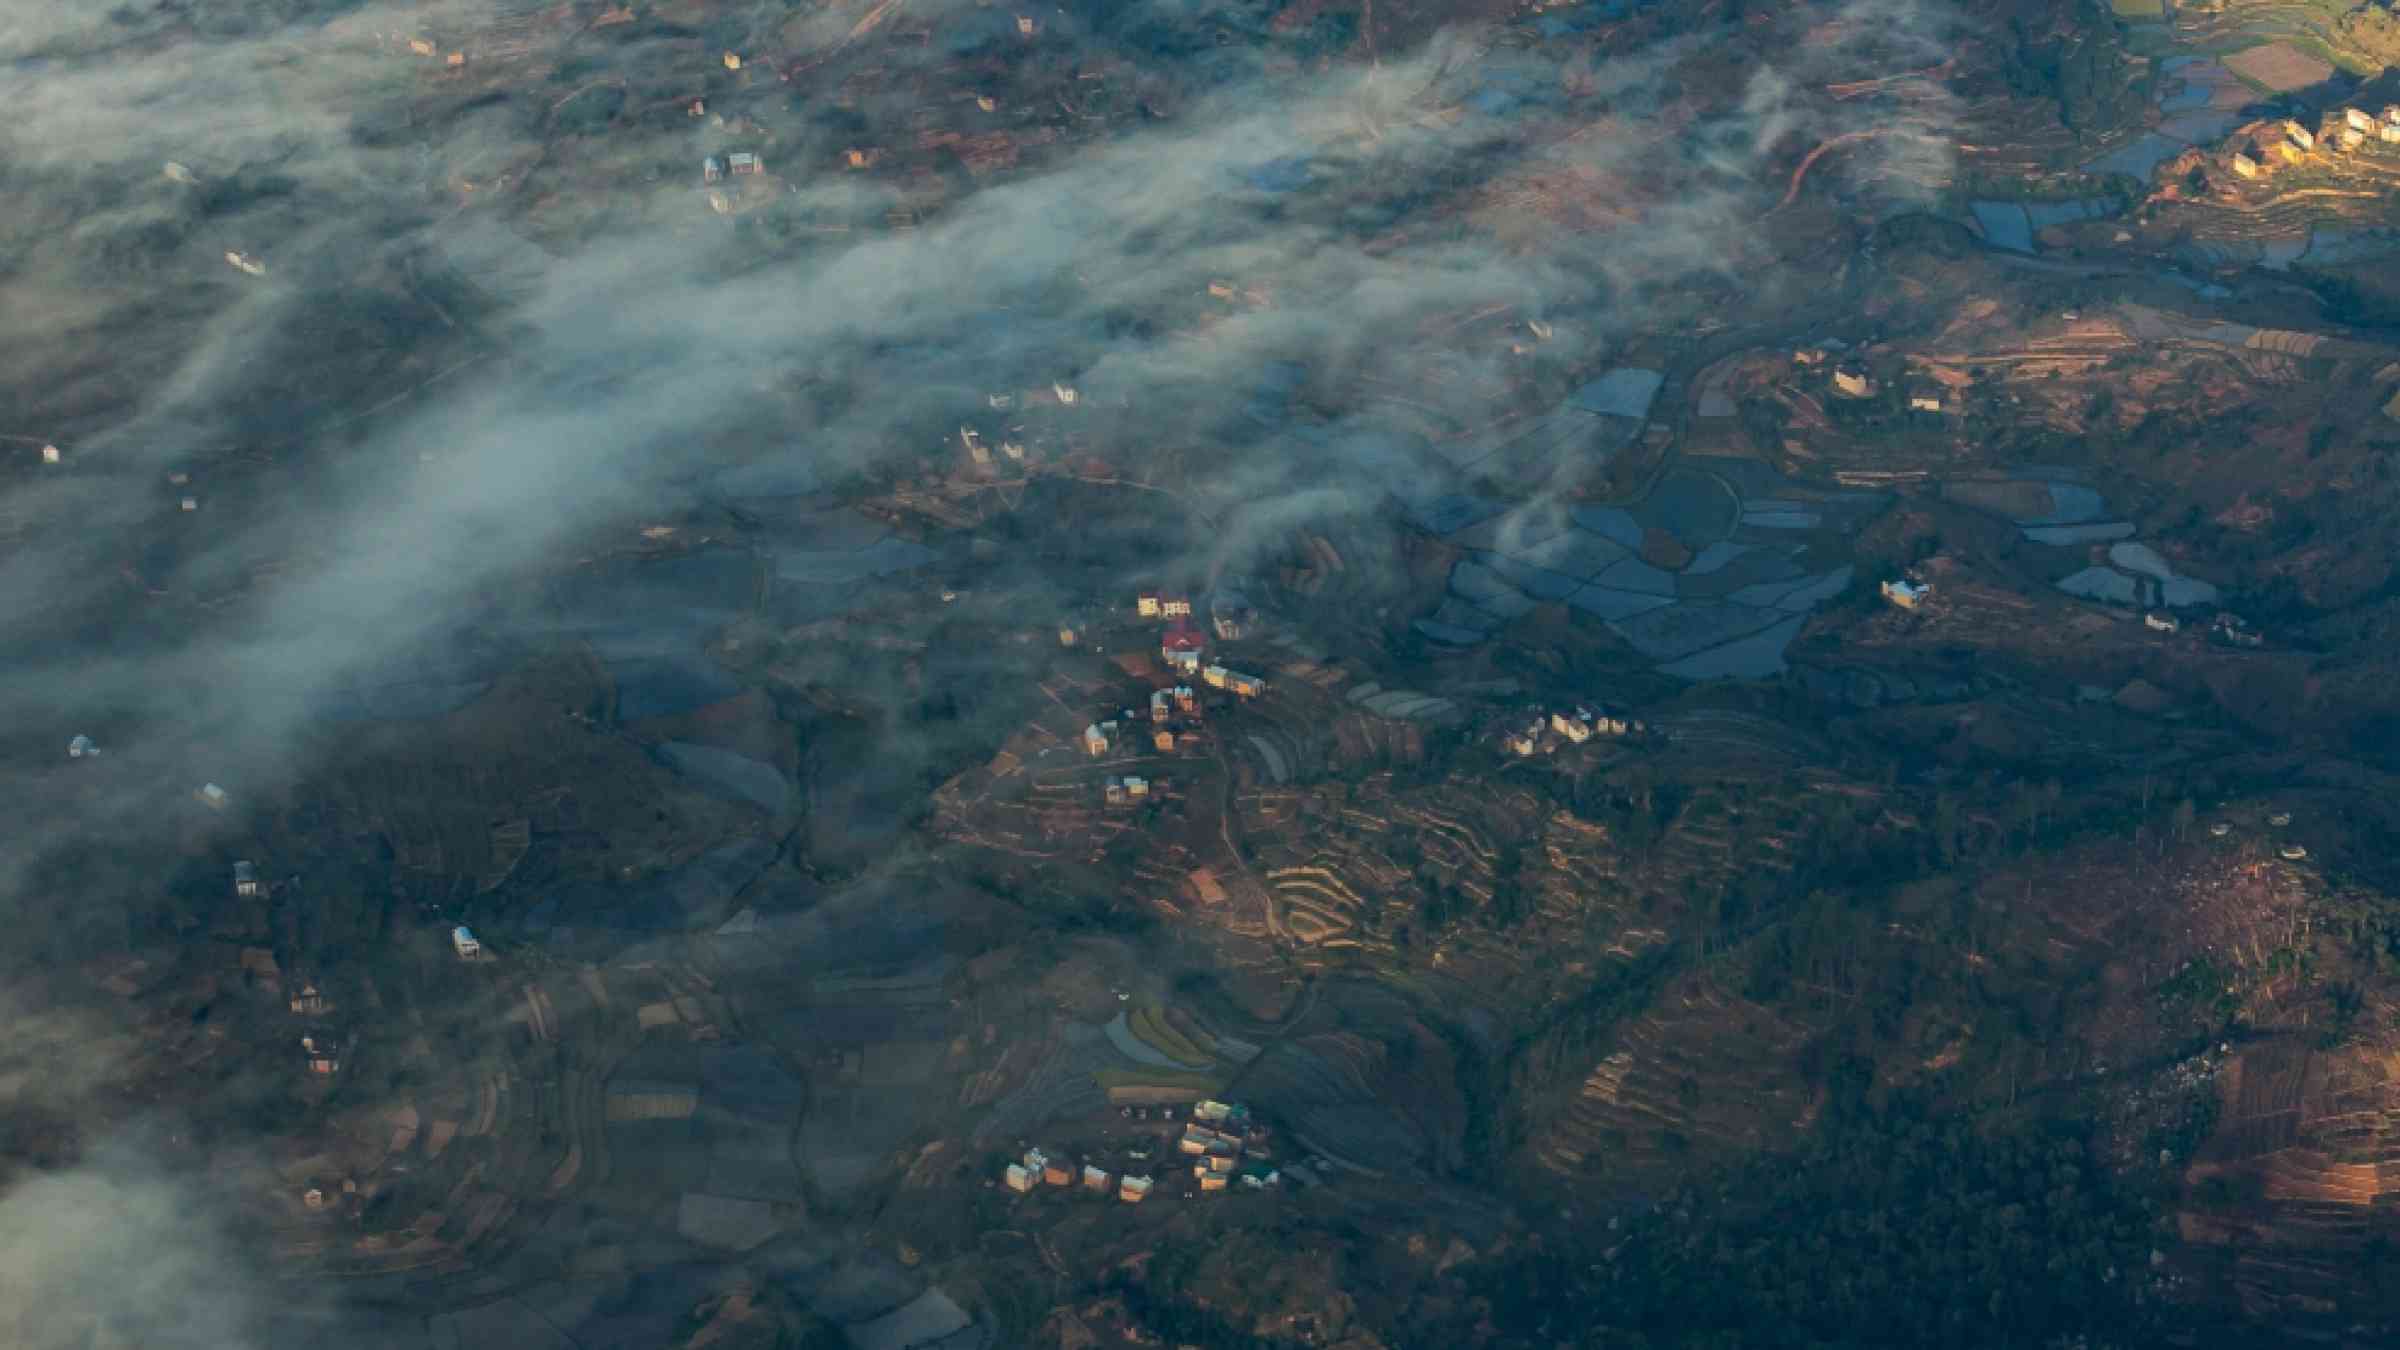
2227	627
208	794
1220	1138
1182	647
2348	132
1165	705
1543	734
2230	629
2288	851
1852	378
740	164
716	168
1228	614
979	452
320	1048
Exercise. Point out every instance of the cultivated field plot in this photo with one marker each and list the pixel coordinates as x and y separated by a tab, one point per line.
2279	66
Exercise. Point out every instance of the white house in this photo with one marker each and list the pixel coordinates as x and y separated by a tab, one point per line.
2358	118
1131	1189
81	747
1905	593
1022	1180
1095	741
2163	623
1573	728
245	879
1137	789
1245	686
462	940
212	796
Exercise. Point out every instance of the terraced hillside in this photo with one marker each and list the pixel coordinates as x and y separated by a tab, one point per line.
1703	1072
1500	892
1378	1091
446	1174
2301	1178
